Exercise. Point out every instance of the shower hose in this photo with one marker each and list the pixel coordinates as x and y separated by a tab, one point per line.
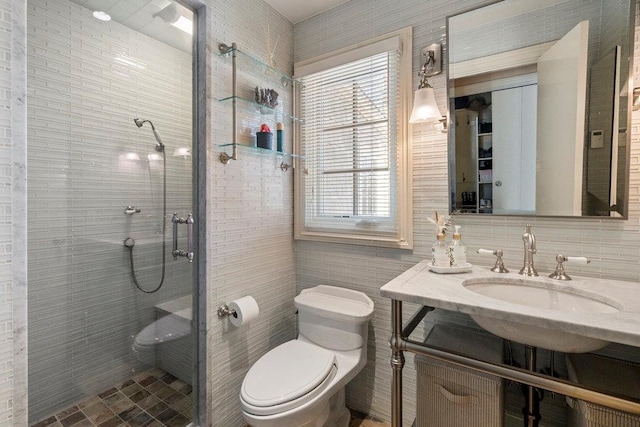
164	234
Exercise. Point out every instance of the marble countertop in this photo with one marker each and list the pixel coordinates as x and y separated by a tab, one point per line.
446	291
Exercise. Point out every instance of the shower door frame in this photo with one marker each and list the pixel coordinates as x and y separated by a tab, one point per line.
200	70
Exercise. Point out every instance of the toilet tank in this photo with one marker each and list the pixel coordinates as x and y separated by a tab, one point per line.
334	318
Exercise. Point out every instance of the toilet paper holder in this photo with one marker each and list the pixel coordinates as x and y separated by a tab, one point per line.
240	311
224	311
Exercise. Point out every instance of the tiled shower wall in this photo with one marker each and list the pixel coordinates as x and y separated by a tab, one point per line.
6	252
87	81
250	209
611	245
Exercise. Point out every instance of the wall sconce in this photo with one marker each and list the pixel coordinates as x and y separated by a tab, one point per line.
425	108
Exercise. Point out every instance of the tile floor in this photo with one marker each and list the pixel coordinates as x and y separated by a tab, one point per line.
361	420
150	399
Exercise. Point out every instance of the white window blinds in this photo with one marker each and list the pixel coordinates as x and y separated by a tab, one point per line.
350	144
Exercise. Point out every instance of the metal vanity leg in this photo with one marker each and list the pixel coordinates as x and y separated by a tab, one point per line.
397	363
531	411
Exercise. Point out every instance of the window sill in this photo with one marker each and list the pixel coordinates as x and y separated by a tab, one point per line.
355	239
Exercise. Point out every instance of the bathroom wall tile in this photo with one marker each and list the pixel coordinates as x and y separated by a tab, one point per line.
250	211
12	179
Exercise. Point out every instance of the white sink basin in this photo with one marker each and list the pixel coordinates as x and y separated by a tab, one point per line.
545	297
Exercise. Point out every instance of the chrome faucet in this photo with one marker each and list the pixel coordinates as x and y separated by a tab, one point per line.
529	249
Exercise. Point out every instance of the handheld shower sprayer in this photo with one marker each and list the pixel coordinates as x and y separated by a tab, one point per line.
160	145
129	243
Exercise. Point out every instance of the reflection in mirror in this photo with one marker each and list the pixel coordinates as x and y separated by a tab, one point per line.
539	108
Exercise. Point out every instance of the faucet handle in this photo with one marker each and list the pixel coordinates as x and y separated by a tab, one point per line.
499	267
559	273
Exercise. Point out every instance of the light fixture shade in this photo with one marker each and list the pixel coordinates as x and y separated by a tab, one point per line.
169	14
425	108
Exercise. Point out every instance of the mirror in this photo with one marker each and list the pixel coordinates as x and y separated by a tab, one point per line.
539	106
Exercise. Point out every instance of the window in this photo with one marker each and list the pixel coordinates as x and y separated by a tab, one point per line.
354	184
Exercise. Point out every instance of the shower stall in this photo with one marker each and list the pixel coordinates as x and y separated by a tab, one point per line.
110	131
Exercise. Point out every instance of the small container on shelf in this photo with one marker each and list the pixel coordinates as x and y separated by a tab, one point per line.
279	137
485	164
485	153
485	175
485	127
264	138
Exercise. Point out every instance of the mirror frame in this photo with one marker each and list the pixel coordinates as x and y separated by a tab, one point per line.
451	160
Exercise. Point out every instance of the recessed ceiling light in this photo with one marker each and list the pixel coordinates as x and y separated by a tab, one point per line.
102	16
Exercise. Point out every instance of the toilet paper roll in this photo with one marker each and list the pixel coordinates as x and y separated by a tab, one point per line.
245	308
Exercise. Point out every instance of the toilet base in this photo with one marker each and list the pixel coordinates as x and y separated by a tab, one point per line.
339	415
331	413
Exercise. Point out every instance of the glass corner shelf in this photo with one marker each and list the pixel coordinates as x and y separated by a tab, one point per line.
285	79
263	151
263	109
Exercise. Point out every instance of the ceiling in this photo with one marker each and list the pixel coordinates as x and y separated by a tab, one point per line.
138	15
299	10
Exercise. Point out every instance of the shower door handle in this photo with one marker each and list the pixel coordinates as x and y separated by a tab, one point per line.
189	221
175	252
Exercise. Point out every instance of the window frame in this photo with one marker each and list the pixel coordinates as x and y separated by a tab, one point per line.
402	236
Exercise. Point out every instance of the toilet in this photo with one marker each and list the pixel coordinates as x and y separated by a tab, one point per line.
301	383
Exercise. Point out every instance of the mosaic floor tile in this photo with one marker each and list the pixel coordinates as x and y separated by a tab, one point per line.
150	399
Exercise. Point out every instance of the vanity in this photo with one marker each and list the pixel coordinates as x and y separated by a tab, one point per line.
580	315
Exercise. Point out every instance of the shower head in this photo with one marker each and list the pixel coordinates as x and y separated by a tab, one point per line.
159	145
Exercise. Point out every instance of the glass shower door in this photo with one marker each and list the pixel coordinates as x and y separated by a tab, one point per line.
110	317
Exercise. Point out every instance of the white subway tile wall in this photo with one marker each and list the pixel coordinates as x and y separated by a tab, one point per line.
557	20
87	81
249	209
6	276
612	245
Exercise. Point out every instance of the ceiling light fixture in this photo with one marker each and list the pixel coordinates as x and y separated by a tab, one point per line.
102	16
171	15
184	24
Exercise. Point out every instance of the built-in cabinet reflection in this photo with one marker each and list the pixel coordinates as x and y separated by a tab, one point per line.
538	122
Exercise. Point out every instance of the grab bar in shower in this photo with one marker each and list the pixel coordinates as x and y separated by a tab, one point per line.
189	221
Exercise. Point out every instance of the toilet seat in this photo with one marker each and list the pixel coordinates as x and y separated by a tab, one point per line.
287	377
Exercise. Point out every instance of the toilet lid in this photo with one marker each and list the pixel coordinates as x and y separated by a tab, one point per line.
285	373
